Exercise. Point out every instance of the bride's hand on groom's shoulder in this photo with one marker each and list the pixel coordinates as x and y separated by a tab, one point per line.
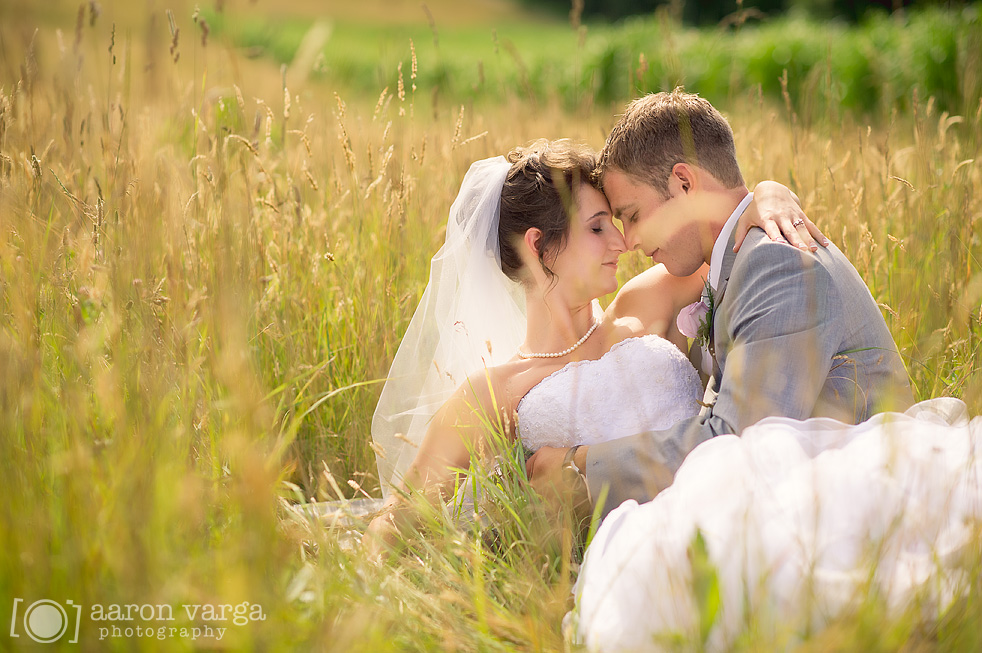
777	210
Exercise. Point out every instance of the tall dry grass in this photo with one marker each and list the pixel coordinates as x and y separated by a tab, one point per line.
206	267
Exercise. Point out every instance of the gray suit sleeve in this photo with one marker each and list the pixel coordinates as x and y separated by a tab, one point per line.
778	315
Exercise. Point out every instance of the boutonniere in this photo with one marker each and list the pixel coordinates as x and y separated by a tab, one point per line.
696	319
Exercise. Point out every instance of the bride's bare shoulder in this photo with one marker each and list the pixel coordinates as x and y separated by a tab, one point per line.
490	389
655	295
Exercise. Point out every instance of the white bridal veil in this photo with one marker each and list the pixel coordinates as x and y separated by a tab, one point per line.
470	316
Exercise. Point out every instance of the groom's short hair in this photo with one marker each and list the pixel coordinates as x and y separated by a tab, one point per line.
661	129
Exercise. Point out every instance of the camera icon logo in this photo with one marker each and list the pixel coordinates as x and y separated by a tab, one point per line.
46	621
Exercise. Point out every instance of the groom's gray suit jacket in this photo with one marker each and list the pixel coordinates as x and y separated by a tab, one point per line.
797	334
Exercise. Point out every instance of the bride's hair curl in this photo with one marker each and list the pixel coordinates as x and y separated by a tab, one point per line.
540	192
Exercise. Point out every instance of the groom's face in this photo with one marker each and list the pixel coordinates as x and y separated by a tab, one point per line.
657	226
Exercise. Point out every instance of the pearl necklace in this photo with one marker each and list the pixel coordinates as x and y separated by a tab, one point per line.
560	354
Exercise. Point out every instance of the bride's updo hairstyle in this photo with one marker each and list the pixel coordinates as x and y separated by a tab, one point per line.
540	192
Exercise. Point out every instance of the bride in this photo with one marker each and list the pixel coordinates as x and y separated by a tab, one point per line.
509	324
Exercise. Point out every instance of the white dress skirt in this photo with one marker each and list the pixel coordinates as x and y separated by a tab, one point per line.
787	527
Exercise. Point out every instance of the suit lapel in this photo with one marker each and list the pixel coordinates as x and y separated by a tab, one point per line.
729	257
712	389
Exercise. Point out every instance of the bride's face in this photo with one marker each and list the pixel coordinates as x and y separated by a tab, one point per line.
587	267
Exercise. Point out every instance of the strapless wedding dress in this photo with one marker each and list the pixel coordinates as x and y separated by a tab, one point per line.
641	384
786	527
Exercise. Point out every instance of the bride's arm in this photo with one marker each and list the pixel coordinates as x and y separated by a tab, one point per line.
458	428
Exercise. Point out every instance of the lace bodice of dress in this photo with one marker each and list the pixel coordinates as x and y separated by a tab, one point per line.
641	384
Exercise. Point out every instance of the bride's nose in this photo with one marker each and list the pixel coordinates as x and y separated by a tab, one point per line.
617	242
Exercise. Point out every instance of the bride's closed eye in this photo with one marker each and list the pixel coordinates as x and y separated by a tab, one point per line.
597	225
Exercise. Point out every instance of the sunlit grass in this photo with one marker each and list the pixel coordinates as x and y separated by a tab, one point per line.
206	268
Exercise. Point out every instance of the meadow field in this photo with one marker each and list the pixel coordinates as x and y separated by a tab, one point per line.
212	237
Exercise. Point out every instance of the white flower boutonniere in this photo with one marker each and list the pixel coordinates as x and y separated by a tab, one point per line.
696	319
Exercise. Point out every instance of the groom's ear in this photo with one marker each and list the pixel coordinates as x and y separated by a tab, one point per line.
682	178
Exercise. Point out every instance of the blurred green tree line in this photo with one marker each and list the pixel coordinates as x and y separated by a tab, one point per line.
707	12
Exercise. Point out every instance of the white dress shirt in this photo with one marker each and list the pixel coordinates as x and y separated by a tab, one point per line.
719	247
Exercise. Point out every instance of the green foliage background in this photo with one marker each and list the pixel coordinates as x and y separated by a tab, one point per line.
871	68
709	12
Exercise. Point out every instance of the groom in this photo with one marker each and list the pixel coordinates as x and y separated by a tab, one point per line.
793	332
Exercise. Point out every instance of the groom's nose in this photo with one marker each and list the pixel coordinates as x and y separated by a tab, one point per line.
631	240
